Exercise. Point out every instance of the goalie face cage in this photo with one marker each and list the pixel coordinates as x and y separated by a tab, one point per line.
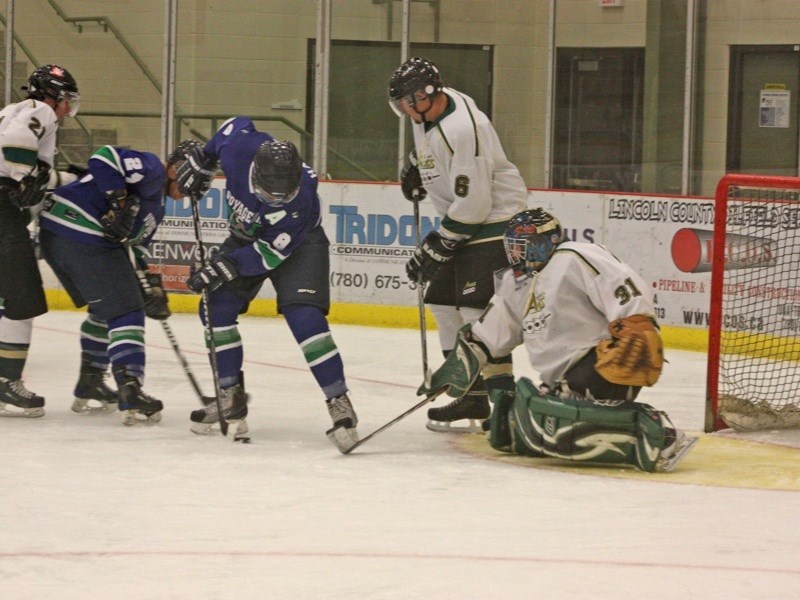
754	317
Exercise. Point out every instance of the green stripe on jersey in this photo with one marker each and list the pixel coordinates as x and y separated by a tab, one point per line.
20	156
71	215
269	255
108	154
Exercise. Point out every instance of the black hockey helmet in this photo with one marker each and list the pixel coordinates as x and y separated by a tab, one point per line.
530	240
56	83
414	80
276	172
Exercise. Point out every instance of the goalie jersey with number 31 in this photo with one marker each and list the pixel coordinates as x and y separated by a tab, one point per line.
591	288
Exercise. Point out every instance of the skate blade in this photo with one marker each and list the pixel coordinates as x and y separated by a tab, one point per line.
681	453
236	429
474	426
81	406
344	439
134	417
27	413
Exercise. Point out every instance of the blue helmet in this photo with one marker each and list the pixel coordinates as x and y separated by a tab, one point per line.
530	240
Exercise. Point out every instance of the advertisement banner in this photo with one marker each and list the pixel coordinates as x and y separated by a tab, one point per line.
667	240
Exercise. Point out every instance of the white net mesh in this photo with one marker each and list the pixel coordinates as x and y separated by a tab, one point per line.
759	353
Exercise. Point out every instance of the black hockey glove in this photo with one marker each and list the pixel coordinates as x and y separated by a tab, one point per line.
411	181
119	221
77	170
434	252
194	170
219	270
156	303
32	188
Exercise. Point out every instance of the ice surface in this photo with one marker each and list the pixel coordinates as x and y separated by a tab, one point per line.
91	508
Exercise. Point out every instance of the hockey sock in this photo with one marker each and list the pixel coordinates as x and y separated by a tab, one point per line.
15	340
94	342
126	344
310	328
230	355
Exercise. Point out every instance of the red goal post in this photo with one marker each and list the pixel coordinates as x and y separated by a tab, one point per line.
754	317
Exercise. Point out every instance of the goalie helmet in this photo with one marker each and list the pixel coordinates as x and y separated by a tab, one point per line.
530	240
56	83
414	80
276	172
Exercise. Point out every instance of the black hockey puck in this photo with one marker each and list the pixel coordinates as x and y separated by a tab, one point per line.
243	440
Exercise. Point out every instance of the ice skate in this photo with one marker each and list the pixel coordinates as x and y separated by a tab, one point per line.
136	406
92	395
344	432
205	421
17	401
676	448
463	415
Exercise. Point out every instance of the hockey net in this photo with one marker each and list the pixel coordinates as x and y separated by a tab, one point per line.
754	317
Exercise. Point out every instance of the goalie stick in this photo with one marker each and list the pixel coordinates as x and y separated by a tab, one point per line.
345	446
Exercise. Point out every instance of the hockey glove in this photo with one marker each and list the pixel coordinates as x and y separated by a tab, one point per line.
634	355
194	171
434	252
411	180
32	188
119	221
460	369
77	170
156	303
219	270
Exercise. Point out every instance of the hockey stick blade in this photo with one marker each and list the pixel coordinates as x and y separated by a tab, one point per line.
346	448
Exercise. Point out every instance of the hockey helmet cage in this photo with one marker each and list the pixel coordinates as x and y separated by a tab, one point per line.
530	240
56	83
276	172
414	80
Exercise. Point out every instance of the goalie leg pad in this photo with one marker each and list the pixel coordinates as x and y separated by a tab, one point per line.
572	428
500	432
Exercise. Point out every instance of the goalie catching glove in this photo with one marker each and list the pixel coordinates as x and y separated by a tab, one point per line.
434	251
635	353
460	369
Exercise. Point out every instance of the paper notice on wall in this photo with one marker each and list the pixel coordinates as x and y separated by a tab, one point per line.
773	109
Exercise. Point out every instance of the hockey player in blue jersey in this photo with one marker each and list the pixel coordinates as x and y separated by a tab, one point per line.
93	231
276	234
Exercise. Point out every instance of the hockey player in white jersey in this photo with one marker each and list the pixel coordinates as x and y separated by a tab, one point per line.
588	324
460	165
27	148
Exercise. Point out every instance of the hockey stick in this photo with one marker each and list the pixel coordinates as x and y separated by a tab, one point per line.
173	341
212	351
346	448
421	304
